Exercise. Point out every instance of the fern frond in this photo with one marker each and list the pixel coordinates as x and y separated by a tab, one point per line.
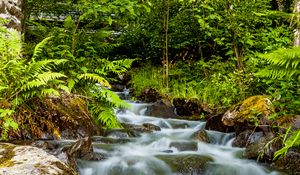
48	76
33	84
43	65
105	115
64	88
283	63
117	66
50	91
112	98
96	78
39	47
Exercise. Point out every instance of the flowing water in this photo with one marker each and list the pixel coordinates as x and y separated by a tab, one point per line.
162	153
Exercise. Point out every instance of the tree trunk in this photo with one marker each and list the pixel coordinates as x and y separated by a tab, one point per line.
297	18
166	42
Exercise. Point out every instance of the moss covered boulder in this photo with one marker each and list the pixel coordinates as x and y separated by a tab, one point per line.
28	160
253	111
64	117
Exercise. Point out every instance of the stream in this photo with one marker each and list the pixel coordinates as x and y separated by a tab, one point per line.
172	150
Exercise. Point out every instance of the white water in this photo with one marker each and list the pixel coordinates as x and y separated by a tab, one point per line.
140	155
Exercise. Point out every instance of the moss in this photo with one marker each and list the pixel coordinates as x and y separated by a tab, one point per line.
254	107
7	154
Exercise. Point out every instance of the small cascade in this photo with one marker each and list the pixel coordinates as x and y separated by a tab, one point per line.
172	150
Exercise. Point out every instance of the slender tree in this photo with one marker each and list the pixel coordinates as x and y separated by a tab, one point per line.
166	42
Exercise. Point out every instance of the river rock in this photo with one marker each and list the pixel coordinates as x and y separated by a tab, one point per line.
131	130
252	112
215	123
187	107
82	149
184	146
149	95
290	162
161	109
187	163
246	137
28	160
261	147
202	136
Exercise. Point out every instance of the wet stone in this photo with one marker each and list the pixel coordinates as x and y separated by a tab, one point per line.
185	146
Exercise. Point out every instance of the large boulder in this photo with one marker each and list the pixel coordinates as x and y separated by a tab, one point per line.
252	112
64	117
28	160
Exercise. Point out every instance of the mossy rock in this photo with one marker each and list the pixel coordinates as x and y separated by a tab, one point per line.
253	110
64	117
27	160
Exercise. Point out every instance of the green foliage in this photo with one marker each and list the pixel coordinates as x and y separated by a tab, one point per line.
291	139
36	79
6	122
101	108
84	37
283	62
203	81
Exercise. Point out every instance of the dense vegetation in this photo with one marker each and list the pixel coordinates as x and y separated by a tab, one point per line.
218	52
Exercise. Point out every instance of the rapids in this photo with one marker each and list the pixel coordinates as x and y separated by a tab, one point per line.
155	154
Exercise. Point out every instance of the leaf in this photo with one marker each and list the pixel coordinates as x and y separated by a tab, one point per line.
110	21
96	78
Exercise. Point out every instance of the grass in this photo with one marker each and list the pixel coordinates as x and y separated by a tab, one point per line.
217	90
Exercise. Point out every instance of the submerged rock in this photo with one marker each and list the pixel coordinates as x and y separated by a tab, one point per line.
187	163
184	146
28	160
202	136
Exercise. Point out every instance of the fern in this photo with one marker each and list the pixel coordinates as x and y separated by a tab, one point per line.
39	47
118	66
96	78
105	115
283	63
